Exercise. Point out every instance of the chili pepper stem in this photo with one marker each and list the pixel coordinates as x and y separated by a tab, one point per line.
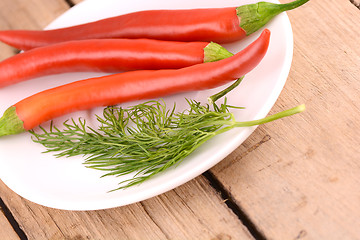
10	123
214	52
254	16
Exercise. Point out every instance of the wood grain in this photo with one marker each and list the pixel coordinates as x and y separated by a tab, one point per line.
298	178
192	211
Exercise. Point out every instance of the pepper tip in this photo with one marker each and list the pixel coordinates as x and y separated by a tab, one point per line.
266	31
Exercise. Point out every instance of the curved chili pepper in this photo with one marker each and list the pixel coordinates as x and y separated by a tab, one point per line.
107	55
129	86
220	25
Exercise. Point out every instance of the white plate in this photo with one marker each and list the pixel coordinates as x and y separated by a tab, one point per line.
65	183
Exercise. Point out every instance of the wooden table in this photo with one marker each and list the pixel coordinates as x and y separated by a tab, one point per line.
296	178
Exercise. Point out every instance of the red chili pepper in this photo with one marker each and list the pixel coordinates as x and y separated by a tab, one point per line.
129	86
107	55
217	24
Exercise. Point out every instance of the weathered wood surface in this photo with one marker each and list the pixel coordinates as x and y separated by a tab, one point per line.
295	178
299	177
192	211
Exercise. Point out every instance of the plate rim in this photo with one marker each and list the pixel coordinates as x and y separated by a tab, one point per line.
240	138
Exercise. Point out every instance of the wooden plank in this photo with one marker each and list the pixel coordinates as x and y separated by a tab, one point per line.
7	232
298	178
30	14
192	211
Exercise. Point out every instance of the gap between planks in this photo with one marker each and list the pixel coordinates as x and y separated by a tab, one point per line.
70	3
230	203
356	3
15	225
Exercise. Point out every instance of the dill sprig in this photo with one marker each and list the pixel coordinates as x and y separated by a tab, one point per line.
147	138
144	139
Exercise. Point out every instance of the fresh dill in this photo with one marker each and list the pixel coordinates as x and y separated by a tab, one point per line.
144	139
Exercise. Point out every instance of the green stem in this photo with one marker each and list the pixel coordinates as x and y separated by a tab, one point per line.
254	16
270	118
10	123
212	99
292	5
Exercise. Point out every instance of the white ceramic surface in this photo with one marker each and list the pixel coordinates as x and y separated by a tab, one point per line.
65	183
